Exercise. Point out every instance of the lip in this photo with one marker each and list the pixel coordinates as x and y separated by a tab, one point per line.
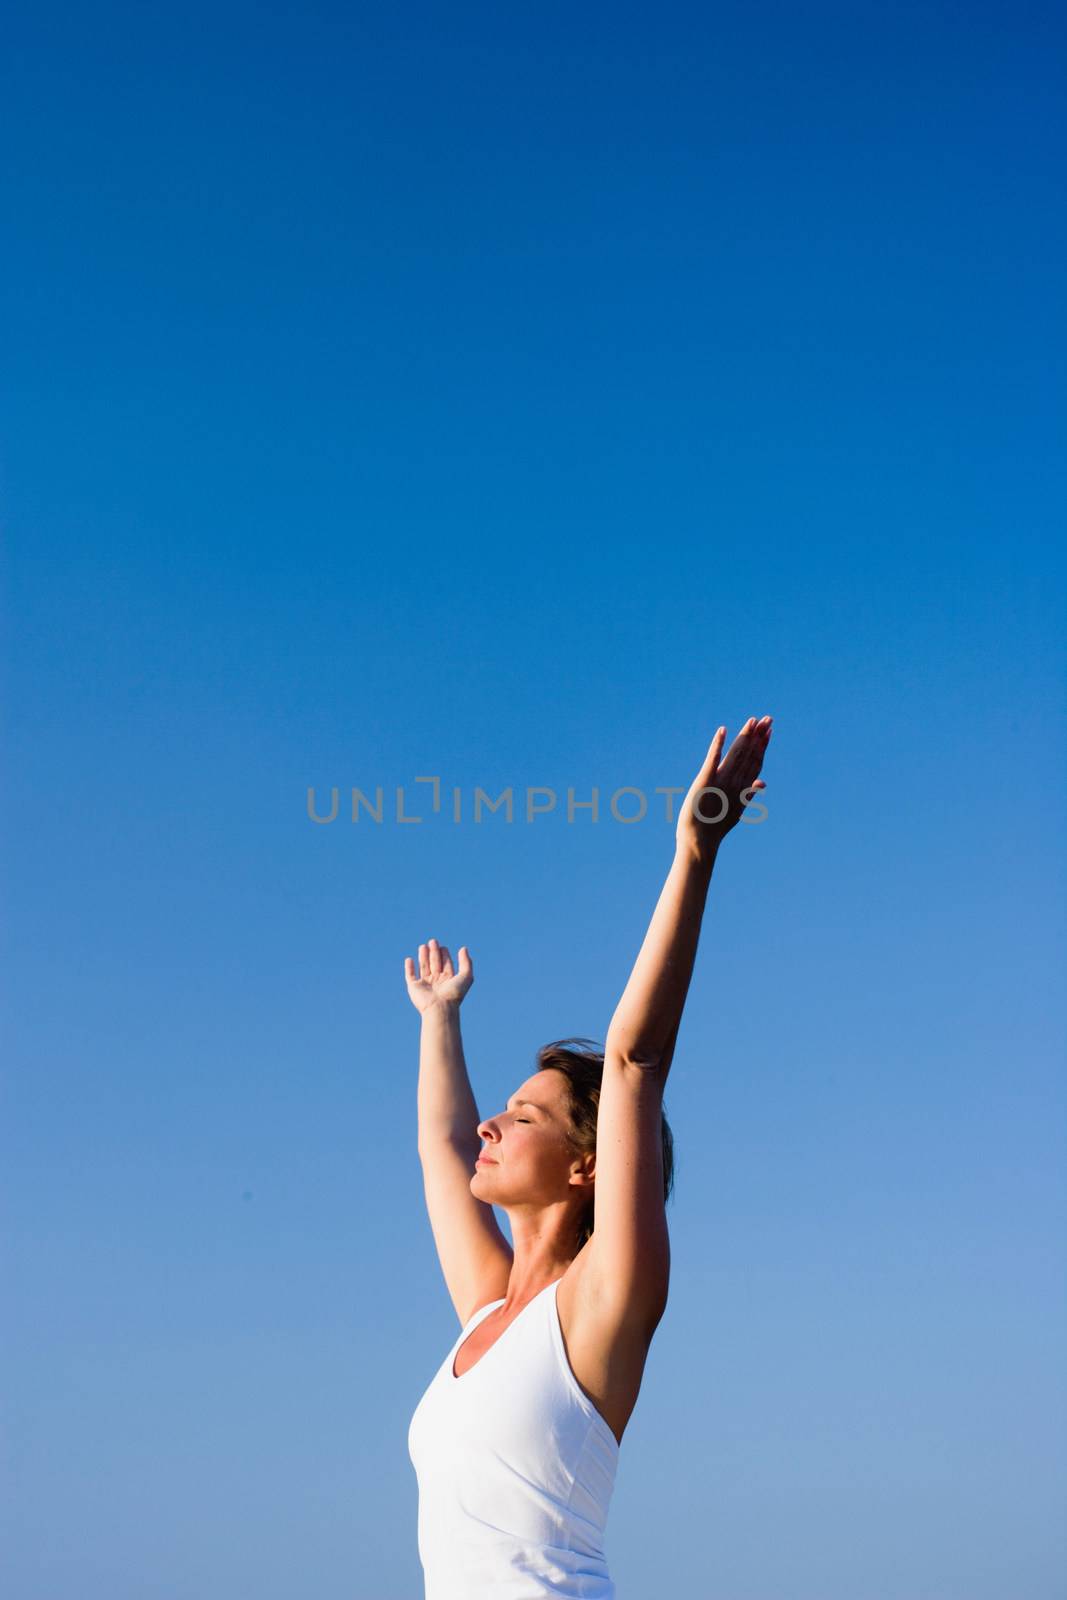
485	1161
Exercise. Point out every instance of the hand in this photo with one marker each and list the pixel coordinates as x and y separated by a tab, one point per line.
731	776
436	982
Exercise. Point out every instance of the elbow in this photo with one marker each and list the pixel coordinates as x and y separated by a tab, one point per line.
633	1053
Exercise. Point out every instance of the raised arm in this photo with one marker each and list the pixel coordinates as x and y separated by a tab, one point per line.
446	1105
646	1020
474	1254
629	1253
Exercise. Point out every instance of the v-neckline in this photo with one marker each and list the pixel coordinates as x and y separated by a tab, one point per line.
458	1377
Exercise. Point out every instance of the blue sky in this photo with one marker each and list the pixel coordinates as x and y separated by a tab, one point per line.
512	398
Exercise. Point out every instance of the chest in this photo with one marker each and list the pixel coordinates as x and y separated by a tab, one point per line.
480	1341
607	1363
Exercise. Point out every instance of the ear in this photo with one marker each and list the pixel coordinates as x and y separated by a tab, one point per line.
584	1171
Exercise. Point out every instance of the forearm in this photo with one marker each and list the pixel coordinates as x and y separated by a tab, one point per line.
647	1017
446	1104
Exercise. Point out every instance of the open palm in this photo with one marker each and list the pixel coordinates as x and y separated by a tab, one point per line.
436	980
735	778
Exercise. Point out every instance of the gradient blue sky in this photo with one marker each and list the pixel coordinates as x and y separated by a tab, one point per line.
513	395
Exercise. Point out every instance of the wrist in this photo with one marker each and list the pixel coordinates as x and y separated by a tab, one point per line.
699	853
444	1009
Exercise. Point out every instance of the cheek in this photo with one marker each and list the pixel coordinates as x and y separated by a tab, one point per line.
524	1145
546	1149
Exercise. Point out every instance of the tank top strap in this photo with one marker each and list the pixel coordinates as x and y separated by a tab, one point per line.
483	1311
474	1319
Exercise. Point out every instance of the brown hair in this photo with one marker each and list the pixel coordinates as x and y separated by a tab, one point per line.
582	1063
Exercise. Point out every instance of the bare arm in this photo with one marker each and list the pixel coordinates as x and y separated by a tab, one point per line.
646	1020
648	1015
446	1104
475	1256
447	1108
629	1262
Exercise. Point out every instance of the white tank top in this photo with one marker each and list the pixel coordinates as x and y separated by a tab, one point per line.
515	1467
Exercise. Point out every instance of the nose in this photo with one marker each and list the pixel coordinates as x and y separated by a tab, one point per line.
489	1131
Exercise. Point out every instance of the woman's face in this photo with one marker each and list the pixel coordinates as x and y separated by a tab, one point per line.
528	1159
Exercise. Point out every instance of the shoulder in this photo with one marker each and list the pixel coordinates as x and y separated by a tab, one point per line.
606	1346
592	1298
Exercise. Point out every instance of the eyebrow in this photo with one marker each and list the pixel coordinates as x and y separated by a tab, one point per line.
527	1103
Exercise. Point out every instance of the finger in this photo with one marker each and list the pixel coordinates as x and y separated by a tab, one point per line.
763	741
754	764
465	960
435	958
732	765
733	755
757	744
711	760
424	961
744	768
745	757
759	733
446	962
409	968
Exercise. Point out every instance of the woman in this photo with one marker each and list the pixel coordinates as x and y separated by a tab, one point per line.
515	1443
